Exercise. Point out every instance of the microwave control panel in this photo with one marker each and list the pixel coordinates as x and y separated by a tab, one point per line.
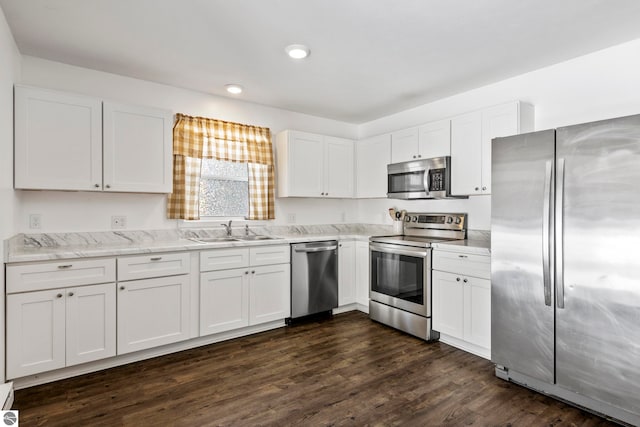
436	179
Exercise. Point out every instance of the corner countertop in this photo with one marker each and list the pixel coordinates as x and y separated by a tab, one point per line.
46	247
478	243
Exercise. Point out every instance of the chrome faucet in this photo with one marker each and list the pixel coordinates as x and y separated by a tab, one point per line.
228	228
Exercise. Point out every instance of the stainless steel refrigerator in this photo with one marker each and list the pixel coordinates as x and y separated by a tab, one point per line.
565	264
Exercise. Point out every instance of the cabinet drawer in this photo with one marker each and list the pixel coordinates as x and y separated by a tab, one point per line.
265	255
463	264
152	265
60	274
222	259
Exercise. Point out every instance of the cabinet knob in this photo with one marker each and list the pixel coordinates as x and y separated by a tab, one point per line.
419	156
108	186
246	272
465	280
484	188
457	279
97	185
59	296
122	288
322	194
414	157
70	294
477	188
253	272
326	194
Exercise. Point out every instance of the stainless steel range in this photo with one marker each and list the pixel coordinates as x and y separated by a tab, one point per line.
400	265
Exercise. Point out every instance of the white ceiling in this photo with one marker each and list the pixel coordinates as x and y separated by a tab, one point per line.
369	58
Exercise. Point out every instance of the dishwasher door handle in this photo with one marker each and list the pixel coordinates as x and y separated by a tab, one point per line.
322	249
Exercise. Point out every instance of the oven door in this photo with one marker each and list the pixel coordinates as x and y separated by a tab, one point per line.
401	277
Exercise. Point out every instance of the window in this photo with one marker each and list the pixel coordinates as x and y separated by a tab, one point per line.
224	189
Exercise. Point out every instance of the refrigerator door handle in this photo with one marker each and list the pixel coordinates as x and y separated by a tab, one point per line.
560	235
546	234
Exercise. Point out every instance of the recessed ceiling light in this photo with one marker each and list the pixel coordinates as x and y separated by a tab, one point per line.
297	51
234	89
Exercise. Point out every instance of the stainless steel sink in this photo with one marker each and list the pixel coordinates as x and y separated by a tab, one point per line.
258	237
213	239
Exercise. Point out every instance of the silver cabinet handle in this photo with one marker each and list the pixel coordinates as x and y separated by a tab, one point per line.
156	258
560	236
122	288
546	234
462	256
70	294
59	296
62	267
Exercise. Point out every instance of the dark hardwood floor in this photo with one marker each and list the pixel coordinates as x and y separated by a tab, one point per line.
344	371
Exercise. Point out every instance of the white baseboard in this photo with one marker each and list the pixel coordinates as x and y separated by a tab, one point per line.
483	352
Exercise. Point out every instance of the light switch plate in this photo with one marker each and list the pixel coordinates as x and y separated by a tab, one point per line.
35	221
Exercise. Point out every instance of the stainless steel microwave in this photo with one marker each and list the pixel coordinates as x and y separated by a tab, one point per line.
420	179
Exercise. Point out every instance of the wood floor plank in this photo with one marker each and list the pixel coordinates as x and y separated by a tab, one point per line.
345	371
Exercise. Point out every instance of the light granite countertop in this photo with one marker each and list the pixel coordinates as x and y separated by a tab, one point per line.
57	246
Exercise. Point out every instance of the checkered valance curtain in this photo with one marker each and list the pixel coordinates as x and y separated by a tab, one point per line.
197	138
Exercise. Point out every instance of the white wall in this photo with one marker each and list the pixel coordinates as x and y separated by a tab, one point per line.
601	85
78	211
10	60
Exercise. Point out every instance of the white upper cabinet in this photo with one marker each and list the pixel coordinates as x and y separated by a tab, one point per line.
312	165
372	157
471	136
137	149
71	142
435	139
424	142
58	141
404	145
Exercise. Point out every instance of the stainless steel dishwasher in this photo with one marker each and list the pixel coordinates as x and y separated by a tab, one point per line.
314	278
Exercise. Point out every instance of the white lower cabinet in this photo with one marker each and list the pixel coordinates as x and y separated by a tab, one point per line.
269	293
362	275
152	312
54	328
346	272
461	306
224	300
258	292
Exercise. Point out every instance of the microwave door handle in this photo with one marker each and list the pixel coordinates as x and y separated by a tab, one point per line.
426	181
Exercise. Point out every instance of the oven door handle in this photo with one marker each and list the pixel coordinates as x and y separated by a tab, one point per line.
389	249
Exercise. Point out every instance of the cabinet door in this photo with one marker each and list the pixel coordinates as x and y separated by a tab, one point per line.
404	145
269	293
362	273
152	312
372	157
346	273
224	300
448	304
466	151
435	139
501	120
91	323
35	332
477	303
306	164
338	171
137	149
58	141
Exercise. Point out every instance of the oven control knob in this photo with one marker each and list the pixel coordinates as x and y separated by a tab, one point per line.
458	220
414	219
407	218
449	219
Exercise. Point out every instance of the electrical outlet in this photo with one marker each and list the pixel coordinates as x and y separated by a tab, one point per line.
35	221
291	218
118	221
